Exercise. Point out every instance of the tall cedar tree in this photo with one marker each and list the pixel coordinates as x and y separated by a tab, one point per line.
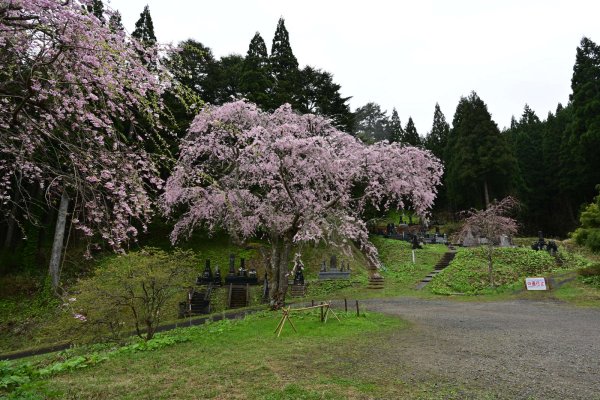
228	82
144	29
411	136
284	69
256	82
437	142
479	157
584	131
115	23
195	67
320	95
526	136
558	162
370	123
395	131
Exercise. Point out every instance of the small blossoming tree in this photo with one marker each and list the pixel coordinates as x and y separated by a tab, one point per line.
290	178
491	224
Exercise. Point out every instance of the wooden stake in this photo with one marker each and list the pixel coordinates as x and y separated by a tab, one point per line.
321	311
357	310
345	305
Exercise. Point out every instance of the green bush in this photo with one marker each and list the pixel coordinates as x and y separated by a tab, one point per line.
589	233
591	275
134	291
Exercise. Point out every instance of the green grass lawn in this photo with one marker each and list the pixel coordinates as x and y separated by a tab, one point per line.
229	359
240	360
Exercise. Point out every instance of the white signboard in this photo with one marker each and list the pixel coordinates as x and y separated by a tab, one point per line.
536	284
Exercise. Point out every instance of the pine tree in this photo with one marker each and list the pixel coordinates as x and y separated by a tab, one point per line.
370	123
284	69
115	24
320	95
395	131
411	136
256	83
144	29
480	159
584	132
227	78
526	136
437	140
195	67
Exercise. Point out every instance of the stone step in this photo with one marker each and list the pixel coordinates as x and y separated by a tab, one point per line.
441	265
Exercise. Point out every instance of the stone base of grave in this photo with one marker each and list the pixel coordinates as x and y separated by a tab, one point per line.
241	280
328	275
297	290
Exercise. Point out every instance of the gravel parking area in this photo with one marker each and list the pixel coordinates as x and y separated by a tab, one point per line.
511	349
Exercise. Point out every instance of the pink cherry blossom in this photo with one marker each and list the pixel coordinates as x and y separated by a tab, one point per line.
290	178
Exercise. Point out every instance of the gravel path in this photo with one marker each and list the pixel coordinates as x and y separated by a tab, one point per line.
511	349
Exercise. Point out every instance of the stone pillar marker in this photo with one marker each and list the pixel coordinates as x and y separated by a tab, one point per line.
231	265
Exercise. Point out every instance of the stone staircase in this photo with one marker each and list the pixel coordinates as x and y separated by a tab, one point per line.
238	296
198	303
443	263
375	281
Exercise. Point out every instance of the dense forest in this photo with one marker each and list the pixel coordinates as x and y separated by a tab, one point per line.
549	163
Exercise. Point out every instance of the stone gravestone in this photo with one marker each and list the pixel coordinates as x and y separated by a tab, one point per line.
217	276
333	272
552	247
241	277
333	263
504	241
415	243
231	265
540	244
469	239
323	266
242	271
207	276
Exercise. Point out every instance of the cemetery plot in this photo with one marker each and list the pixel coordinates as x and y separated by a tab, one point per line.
333	272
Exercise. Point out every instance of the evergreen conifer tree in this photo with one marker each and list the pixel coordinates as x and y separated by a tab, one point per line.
480	159
437	140
97	9
256	83
584	132
411	136
370	123
144	29
526	136
195	67
284	69
396	133
318	94
115	23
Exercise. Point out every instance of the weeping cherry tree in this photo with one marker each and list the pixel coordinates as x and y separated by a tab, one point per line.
290	178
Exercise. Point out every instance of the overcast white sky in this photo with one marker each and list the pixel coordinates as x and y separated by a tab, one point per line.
407	55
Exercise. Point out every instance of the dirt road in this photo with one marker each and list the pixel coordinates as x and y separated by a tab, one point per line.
512	349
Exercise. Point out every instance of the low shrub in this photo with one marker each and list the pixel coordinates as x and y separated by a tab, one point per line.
134	291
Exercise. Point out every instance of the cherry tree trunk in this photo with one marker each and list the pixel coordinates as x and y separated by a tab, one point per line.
59	236
490	251
10	230
278	276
